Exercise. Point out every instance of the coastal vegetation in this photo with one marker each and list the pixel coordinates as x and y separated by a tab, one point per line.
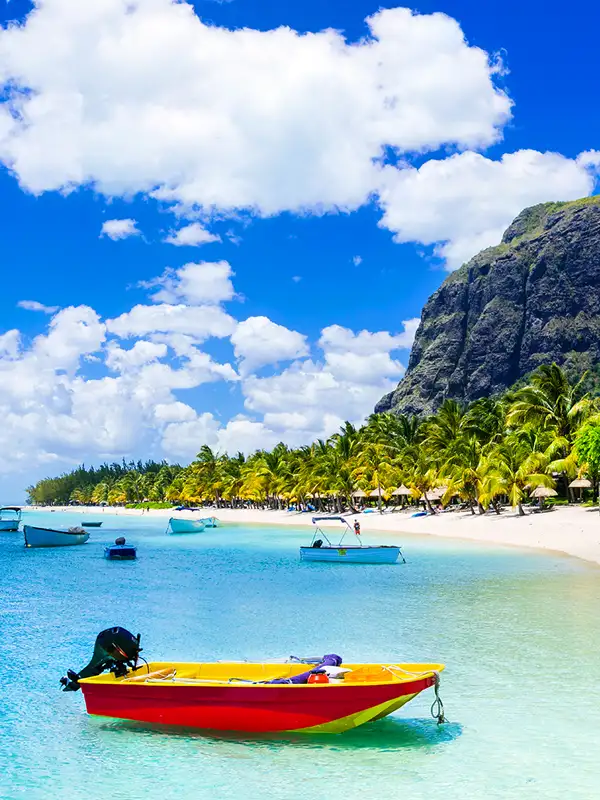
544	433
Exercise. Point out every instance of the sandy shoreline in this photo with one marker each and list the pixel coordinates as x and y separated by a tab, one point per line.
571	530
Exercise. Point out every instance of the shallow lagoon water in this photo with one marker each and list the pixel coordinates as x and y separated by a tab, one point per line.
518	630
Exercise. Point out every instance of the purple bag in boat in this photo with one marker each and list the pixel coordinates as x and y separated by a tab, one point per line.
330	660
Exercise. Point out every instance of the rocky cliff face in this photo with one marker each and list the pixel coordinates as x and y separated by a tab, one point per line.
533	299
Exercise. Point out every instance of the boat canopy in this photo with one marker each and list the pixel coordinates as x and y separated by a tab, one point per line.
16	509
320	532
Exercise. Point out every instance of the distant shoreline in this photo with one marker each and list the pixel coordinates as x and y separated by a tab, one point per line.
573	530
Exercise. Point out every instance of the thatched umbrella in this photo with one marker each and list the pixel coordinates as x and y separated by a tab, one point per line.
435	494
544	491
375	493
581	484
430	496
359	493
403	492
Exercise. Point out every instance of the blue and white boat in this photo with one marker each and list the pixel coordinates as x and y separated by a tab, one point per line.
10	517
48	537
120	551
347	553
210	522
178	525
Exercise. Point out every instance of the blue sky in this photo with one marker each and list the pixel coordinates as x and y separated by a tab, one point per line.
341	176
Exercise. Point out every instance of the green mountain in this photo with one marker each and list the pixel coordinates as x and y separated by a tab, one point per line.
533	299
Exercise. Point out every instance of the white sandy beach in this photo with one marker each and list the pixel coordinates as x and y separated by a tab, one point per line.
571	530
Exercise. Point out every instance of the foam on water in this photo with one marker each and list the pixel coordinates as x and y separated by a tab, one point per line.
519	633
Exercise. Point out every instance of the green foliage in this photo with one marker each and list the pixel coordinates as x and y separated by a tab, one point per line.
543	432
587	448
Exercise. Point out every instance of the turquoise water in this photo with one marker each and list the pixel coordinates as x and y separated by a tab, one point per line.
518	630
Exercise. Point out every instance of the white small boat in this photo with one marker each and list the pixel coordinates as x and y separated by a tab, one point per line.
47	537
178	525
344	553
210	522
10	517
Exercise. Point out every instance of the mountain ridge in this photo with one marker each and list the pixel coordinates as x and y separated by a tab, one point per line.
532	299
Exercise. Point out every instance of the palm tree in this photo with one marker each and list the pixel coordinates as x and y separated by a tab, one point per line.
465	471
421	474
373	468
513	468
550	403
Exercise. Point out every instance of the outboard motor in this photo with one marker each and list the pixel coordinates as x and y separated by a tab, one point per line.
116	650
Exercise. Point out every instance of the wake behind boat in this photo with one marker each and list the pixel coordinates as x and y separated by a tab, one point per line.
48	537
10	517
344	553
179	525
245	697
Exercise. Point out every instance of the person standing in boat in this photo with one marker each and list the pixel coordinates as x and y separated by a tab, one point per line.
357	527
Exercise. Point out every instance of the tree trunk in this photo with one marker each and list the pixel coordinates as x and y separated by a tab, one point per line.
379	498
520	509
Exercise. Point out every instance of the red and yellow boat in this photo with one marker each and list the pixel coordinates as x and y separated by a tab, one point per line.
248	697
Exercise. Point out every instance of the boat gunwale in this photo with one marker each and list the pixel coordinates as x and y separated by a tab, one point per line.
54	530
223	683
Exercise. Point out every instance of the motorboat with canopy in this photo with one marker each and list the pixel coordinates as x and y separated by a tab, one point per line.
10	517
315	695
323	549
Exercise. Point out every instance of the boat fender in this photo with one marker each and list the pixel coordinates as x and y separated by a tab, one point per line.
318	677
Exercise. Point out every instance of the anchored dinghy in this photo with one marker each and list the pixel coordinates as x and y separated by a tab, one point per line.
245	697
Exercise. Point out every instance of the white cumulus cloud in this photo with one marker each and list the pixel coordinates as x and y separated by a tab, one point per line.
464	203
192	235
201	322
119	229
34	305
194	284
146	97
258	341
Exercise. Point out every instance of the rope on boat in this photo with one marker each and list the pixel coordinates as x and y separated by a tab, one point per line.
437	707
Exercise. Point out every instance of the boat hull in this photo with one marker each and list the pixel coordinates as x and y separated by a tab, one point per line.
312	708
46	537
91	524
9	525
186	525
352	555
